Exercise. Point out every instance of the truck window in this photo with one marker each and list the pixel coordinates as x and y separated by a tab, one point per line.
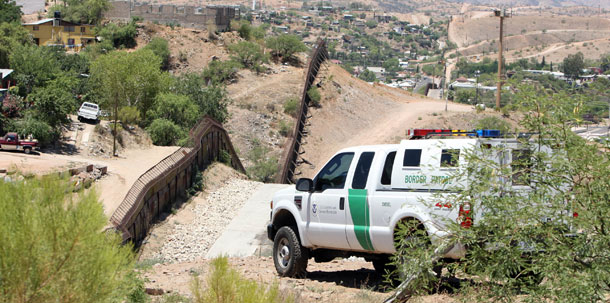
449	157
521	165
412	157
333	175
362	170
386	175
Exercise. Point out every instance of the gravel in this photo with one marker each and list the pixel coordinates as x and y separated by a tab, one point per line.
188	242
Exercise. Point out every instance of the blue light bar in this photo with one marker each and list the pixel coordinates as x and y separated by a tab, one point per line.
488	133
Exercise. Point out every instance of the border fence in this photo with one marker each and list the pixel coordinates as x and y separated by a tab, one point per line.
293	148
160	186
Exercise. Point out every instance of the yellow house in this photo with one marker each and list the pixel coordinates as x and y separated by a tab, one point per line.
57	32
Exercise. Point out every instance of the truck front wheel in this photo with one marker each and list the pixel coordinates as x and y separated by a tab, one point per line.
289	256
27	150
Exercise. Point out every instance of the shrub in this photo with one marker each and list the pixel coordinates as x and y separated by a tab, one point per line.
218	72
121	35
225	284
285	46
225	157
179	109
285	128
129	115
40	130
314	96
53	248
249	54
165	132
291	107
160	47
265	167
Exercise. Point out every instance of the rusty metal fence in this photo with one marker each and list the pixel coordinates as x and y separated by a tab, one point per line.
288	163
162	184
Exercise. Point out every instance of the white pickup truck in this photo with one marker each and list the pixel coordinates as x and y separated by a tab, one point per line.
89	111
354	203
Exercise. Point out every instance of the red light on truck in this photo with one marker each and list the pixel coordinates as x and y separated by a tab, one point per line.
271	204
464	217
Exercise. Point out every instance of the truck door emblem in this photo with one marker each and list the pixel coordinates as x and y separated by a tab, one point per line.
314	208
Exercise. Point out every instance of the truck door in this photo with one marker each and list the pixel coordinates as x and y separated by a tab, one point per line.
358	227
11	142
326	226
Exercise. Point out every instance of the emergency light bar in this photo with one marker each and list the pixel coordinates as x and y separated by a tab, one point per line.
481	133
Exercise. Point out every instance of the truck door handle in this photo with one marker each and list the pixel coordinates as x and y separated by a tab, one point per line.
341	203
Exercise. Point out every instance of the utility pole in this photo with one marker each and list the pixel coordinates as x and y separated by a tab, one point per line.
501	14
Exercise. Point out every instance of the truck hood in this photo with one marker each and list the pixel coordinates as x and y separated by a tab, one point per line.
288	191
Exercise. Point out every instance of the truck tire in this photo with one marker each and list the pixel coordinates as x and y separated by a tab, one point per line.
27	150
289	257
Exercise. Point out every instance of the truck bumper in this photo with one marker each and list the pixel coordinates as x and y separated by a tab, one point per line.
270	231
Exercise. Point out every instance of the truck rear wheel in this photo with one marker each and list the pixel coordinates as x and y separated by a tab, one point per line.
27	150
289	257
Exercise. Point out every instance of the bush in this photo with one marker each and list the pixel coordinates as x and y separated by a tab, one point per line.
129	115
285	46
40	130
285	128
521	237
53	248
291	107
225	157
265	167
179	109
219	72
160	47
165	132
314	96
225	284
121	35
249	54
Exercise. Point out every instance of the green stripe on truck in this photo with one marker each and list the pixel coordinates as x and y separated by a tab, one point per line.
360	213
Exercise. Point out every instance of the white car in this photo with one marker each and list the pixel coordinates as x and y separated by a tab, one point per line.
89	111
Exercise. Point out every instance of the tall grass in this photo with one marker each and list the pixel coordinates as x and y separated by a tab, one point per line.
225	285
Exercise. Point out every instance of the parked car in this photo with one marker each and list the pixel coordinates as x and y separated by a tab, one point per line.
12	141
89	111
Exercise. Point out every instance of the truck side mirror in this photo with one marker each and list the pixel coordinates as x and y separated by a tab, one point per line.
305	184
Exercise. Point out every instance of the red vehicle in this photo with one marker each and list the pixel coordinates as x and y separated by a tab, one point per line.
11	141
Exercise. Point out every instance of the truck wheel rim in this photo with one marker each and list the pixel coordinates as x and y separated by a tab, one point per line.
283	253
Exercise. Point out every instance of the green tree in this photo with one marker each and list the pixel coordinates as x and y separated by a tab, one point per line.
9	11
165	132
52	247
54	101
573	64
371	23
219	72
34	66
30	125
81	11
127	79
12	35
249	54
314	96
121	35
391	65
556	231
367	76
212	100
285	46
160	47
179	109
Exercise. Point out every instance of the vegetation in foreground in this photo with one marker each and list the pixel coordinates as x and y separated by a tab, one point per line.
225	285
548	243
53	248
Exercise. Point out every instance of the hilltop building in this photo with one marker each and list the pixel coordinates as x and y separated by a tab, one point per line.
57	32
